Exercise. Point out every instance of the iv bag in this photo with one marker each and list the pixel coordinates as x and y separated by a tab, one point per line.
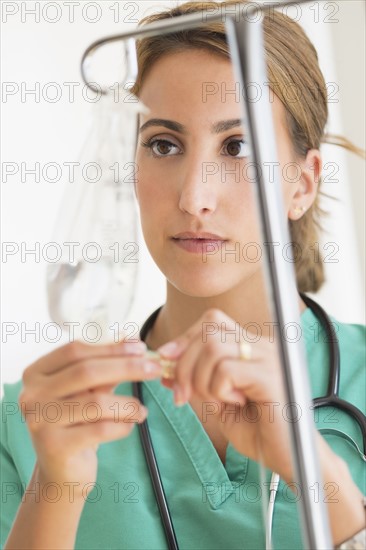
94	280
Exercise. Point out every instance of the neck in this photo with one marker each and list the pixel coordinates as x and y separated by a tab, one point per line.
247	305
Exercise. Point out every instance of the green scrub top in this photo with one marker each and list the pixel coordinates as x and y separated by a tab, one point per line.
212	506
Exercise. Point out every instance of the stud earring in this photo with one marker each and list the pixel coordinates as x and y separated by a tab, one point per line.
299	209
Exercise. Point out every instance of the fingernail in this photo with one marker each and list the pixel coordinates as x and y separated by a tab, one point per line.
150	367
168	348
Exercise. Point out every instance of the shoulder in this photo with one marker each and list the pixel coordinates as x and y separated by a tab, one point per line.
336	424
352	349
350	340
351	343
352	337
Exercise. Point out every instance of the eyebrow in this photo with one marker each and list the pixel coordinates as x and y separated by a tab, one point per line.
216	128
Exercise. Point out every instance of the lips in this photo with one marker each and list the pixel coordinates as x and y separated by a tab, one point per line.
202	242
199	235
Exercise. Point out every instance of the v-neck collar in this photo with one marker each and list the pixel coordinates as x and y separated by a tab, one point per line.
199	447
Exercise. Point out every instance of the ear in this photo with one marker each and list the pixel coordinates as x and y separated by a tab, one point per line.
306	192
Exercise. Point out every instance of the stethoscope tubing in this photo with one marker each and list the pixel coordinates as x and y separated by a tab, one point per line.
155	476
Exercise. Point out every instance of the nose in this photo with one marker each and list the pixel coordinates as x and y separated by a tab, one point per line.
198	191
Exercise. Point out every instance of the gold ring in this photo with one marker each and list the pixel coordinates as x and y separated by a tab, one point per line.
245	351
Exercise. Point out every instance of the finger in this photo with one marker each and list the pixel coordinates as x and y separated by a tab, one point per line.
211	355
93	373
194	368
106	430
202	373
87	409
249	378
87	435
77	351
184	368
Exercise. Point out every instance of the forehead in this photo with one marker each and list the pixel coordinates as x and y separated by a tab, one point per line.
188	76
197	84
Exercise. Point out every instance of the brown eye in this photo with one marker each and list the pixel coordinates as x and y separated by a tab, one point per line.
233	148
163	147
237	148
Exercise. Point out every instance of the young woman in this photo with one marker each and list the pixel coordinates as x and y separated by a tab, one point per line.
81	481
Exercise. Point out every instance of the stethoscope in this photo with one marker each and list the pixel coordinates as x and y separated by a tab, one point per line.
330	399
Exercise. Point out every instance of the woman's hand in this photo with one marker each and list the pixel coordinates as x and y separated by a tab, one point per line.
70	408
246	396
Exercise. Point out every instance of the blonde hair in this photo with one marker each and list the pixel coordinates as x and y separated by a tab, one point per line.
292	64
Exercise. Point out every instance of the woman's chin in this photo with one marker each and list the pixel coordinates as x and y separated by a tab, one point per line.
199	286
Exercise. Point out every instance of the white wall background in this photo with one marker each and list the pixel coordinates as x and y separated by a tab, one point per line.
54	132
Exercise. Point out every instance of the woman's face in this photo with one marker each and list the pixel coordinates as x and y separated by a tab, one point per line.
193	174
